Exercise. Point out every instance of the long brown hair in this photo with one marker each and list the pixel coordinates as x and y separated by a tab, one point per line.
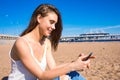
43	9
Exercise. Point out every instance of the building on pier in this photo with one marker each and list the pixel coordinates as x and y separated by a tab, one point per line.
91	37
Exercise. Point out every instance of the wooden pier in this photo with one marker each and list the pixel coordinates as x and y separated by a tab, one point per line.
8	37
91	37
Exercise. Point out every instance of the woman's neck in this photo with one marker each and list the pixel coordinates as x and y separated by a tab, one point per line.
35	35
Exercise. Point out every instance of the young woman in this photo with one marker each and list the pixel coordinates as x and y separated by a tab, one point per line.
32	51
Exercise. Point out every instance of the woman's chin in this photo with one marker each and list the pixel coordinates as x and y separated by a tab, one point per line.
47	35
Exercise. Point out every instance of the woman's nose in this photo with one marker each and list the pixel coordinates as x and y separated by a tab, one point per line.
53	27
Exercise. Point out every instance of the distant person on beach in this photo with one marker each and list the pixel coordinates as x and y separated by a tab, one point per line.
32	51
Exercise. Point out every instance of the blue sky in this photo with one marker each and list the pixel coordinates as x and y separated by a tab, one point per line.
79	16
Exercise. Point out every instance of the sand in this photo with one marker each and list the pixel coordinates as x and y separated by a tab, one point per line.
106	65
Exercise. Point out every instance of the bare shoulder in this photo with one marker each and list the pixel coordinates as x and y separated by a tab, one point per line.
20	42
21	46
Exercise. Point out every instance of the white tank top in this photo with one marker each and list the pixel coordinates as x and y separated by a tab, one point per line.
19	72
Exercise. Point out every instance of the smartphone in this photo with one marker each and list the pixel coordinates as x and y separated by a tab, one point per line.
86	58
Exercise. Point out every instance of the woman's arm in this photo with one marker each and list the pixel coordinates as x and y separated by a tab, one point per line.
23	52
49	56
51	61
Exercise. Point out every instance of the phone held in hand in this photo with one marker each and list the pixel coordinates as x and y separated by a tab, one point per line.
86	58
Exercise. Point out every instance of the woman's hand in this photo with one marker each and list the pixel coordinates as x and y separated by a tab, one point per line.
79	64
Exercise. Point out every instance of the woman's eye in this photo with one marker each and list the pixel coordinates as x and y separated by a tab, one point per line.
52	22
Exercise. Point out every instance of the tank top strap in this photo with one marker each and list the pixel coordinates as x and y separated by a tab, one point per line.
31	51
45	49
43	62
44	55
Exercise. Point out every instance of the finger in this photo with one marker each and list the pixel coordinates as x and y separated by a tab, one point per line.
88	66
81	70
92	57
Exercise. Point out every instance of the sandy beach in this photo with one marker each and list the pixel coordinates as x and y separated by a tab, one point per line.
106	65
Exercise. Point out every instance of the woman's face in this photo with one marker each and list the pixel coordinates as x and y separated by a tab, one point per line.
47	23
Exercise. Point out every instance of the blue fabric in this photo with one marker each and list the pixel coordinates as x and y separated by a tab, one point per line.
57	78
74	76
